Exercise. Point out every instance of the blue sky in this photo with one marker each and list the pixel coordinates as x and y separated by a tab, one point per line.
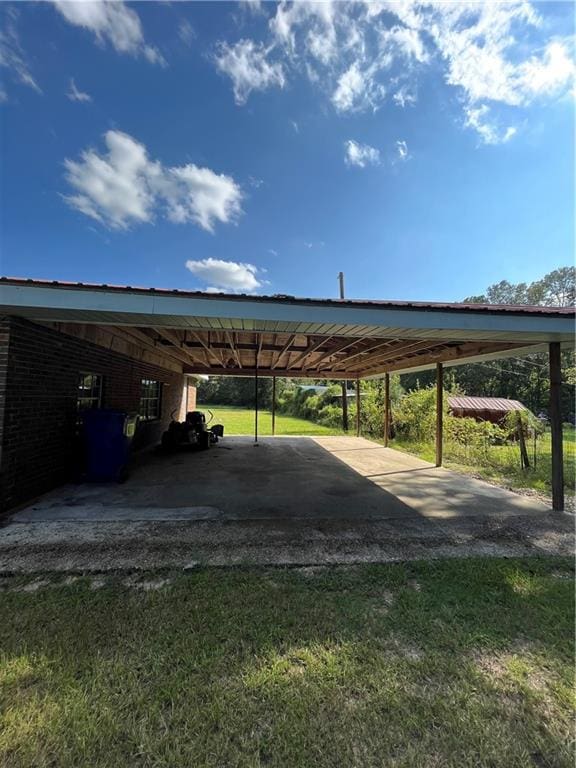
425	149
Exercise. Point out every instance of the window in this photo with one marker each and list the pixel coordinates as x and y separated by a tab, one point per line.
89	391
150	397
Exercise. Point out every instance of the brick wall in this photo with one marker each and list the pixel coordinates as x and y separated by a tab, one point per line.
39	370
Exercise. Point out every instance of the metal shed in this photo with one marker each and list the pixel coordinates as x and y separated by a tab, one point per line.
492	409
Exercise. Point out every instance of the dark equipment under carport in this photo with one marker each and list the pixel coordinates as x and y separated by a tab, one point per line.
192	432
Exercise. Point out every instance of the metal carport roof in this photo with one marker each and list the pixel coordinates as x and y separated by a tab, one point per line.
283	335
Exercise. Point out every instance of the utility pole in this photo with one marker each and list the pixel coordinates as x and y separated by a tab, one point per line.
344	382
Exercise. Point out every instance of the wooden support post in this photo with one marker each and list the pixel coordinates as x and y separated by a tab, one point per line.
273	405
556	427
357	407
256	402
344	405
386	408
439	413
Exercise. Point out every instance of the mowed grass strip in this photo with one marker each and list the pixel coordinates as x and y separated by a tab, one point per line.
501	464
240	421
454	663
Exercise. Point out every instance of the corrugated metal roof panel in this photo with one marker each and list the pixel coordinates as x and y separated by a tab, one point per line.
500	404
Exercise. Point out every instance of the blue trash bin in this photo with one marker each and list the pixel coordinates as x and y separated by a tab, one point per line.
107	437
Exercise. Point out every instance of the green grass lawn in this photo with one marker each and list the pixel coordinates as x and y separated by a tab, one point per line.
240	421
446	663
502	462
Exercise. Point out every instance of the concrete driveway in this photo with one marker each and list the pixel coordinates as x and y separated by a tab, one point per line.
289	500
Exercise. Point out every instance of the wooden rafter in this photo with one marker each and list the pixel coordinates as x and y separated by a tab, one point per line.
334	351
232	343
307	352
463	351
207	348
396	351
173	338
368	350
137	336
284	349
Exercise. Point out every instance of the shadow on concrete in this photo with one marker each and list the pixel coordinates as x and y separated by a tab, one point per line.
289	479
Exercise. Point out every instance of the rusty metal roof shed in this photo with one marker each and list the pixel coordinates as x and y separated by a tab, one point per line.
496	404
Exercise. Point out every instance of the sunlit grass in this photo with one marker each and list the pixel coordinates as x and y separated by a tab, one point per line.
456	663
240	421
501	463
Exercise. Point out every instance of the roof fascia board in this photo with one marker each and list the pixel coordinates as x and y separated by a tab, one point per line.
14	298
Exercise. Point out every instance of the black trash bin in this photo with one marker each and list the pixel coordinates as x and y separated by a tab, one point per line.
107	436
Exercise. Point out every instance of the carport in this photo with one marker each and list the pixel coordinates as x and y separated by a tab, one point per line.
186	333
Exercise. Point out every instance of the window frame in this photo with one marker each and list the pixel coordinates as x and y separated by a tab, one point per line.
150	408
96	393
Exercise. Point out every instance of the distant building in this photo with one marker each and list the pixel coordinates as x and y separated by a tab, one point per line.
319	389
494	409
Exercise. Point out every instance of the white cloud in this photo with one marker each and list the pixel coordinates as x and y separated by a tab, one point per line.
404	96
360	155
186	32
552	72
495	54
247	65
226	275
76	95
124	187
12	56
357	90
112	21
490	133
402	150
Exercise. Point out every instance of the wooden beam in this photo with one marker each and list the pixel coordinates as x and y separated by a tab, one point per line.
216	370
172	337
232	345
108	338
469	349
335	350
207	347
386	408
368	350
403	348
284	349
139	337
554	359
303	355
439	413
